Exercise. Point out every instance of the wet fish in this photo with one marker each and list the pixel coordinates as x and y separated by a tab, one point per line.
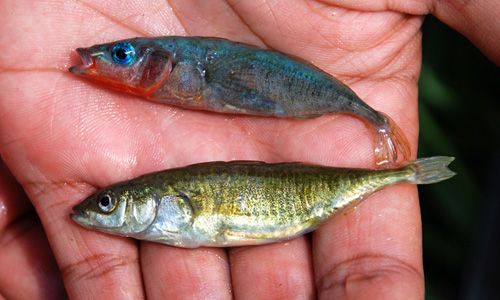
221	204
219	75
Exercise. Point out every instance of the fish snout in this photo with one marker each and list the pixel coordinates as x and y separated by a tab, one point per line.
88	62
80	215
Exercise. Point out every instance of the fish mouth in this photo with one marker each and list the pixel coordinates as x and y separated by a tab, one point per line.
79	219
87	60
81	216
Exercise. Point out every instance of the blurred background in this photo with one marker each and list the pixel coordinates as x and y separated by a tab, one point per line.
459	106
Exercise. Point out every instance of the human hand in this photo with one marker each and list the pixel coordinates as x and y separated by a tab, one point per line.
28	268
63	138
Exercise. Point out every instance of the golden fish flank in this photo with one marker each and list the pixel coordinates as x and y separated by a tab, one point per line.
238	203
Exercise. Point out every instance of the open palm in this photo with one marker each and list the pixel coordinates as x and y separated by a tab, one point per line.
63	138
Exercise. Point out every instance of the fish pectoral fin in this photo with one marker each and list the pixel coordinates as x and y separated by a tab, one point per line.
174	213
186	81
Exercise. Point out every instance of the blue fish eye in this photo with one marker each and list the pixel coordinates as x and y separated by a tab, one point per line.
123	53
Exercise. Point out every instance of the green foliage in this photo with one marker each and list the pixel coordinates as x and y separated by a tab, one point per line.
459	114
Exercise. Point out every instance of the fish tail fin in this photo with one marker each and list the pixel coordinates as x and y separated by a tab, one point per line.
389	140
429	170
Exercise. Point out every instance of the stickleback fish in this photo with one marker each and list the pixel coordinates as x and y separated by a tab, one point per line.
222	204
219	75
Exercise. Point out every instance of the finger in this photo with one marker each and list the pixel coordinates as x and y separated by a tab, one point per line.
213	18
372	250
275	271
407	7
13	200
28	267
477	20
94	265
177	273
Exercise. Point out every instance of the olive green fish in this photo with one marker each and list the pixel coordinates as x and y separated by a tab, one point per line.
222	204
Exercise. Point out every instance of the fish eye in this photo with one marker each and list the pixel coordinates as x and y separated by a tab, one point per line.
123	53
106	202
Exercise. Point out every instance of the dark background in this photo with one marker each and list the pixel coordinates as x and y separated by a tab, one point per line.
459	116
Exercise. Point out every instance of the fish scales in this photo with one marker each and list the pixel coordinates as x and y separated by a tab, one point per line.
223	76
253	192
279	87
264	209
239	203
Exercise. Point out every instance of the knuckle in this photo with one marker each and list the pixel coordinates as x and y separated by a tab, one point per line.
96	266
374	273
